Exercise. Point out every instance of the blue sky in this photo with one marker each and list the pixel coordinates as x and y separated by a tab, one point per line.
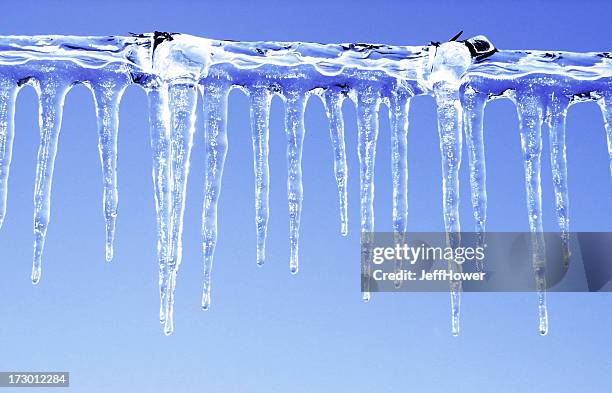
269	331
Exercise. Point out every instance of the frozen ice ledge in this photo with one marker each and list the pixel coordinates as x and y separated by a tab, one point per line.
174	69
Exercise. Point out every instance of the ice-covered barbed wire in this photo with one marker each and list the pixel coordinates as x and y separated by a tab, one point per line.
175	69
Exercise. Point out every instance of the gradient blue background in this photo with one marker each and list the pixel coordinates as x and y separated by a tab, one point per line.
269	331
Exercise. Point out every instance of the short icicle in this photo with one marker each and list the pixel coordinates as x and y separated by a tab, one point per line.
450	129
8	93
51	92
530	112
159	123
183	97
107	95
368	100
333	99
295	104
473	104
260	119
214	93
556	113
605	103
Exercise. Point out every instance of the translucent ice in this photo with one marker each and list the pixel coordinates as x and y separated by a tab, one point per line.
51	94
8	90
175	68
449	65
215	135
107	94
295	104
333	105
260	118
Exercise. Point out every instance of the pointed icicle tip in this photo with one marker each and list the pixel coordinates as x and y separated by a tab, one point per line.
109	252
35	277
205	302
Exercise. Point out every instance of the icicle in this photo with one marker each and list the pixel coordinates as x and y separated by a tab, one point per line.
450	129
556	112
260	119
473	104
398	115
51	94
215	135
333	105
182	101
8	91
398	118
450	62
159	120
530	112
605	104
368	103
107	95
295	105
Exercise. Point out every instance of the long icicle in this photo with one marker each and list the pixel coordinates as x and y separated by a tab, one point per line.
605	103
295	104
107	96
333	106
450	130
368	103
556	113
530	113
214	95
260	119
51	94
8	92
398	116
159	122
182	101
473	104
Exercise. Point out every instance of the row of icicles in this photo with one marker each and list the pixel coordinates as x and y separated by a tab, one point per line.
172	109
